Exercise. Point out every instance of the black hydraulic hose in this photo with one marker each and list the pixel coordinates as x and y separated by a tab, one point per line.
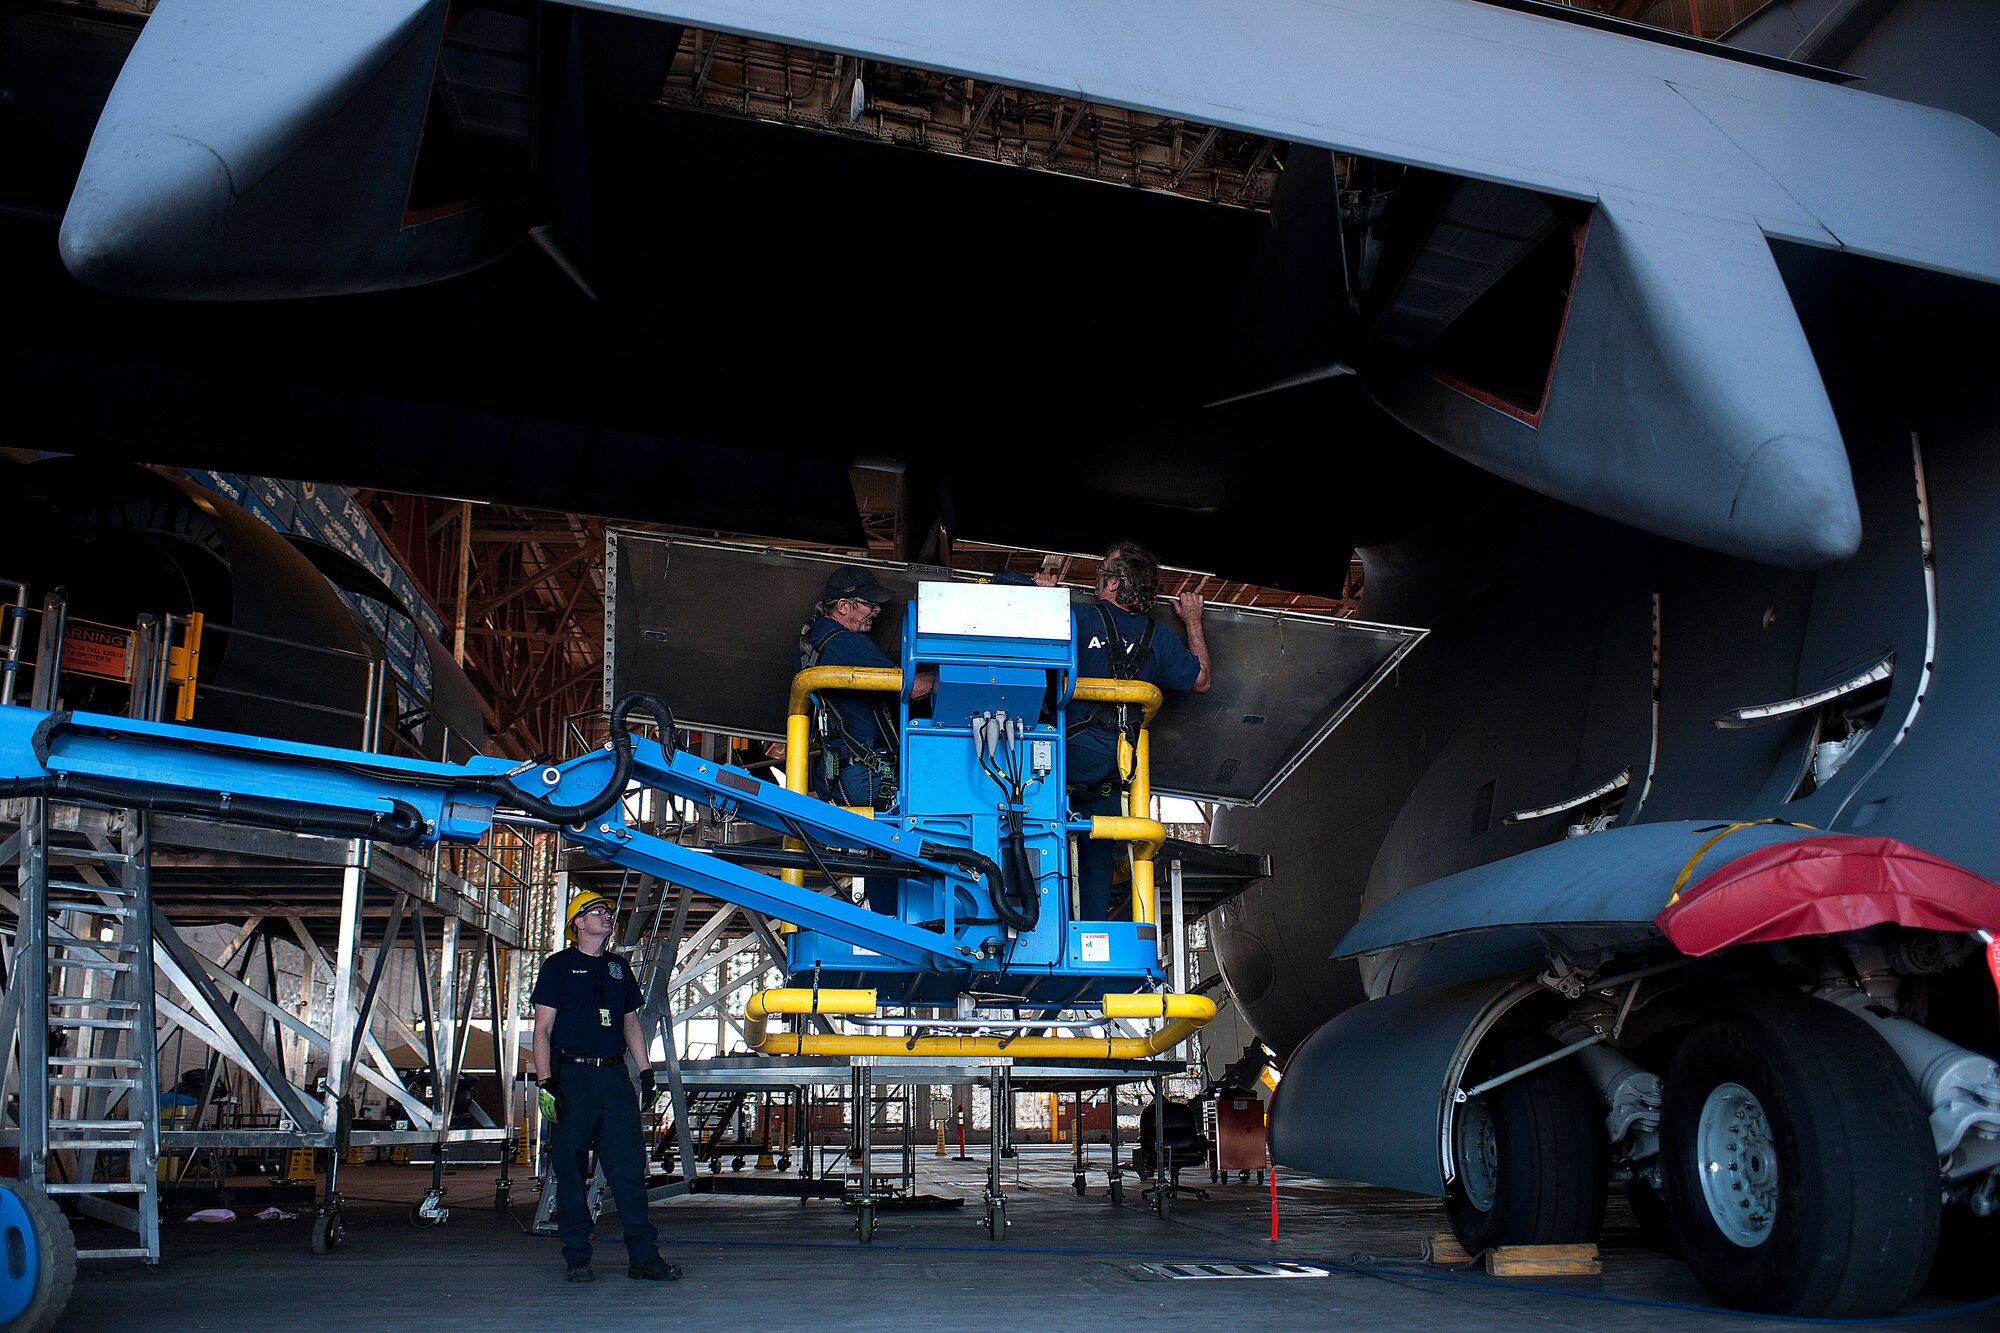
402	824
997	887
621	771
983	866
1025	886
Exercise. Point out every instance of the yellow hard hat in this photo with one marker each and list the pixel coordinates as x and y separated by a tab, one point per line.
580	904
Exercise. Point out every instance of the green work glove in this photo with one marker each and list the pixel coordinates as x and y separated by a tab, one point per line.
552	1101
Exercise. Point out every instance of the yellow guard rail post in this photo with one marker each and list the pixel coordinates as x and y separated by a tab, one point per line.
1183	1015
1138	828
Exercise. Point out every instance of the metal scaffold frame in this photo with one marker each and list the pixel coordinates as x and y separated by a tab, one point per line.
90	933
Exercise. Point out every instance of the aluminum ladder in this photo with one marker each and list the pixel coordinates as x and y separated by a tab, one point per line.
89	1075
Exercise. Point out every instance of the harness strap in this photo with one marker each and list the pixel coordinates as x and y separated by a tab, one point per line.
1128	662
882	765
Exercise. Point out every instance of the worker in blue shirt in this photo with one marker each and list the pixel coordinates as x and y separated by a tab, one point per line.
1117	640
858	761
586	1022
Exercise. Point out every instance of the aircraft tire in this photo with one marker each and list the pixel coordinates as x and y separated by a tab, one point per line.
1531	1156
1799	1170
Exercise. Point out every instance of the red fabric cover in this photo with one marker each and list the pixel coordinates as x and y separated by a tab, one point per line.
1824	885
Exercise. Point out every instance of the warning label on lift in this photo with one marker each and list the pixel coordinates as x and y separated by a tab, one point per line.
97	650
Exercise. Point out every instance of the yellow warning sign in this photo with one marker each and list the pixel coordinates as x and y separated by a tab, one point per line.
97	650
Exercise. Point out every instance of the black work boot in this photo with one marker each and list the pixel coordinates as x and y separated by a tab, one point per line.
655	1269
578	1271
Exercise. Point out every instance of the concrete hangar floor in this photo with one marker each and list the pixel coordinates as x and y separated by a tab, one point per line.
763	1263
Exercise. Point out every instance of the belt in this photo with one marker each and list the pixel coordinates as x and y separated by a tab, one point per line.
592	1060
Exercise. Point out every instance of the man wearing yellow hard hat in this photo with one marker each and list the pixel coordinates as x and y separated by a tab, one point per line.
586	1021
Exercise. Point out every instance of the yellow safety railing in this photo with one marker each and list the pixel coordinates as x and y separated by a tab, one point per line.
1145	834
1181	1015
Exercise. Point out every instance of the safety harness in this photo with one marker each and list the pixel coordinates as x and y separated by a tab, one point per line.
1128	662
838	747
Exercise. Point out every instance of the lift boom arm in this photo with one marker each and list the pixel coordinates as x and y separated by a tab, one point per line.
96	759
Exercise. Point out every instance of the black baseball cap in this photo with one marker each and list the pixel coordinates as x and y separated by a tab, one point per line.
854	581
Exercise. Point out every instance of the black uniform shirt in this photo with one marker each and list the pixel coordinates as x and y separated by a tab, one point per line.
591	997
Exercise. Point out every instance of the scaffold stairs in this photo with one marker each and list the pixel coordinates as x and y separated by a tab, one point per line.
88	1077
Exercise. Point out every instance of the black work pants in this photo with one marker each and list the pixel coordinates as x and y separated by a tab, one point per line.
602	1113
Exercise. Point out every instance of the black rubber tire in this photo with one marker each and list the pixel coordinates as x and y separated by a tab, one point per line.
57	1246
327	1233
1550	1171
1117	1193
1855	1222
419	1220
864	1223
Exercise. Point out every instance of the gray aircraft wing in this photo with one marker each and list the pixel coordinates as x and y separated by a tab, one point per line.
252	150
1470	89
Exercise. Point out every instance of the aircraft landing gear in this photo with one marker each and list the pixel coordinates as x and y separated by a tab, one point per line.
1782	1198
1530	1158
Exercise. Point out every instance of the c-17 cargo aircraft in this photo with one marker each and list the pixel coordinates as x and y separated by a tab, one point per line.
1649	375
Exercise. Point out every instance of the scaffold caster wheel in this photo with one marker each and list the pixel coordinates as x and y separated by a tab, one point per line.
715	1166
40	1260
1260	1177
864	1222
996	1219
429	1211
1077	1185
785	1163
1117	1193
327	1232
736	1164
503	1196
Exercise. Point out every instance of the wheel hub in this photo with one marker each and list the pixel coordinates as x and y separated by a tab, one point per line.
1478	1153
1737	1160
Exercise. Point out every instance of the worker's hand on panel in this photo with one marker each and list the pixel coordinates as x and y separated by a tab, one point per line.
1190	607
1045	578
